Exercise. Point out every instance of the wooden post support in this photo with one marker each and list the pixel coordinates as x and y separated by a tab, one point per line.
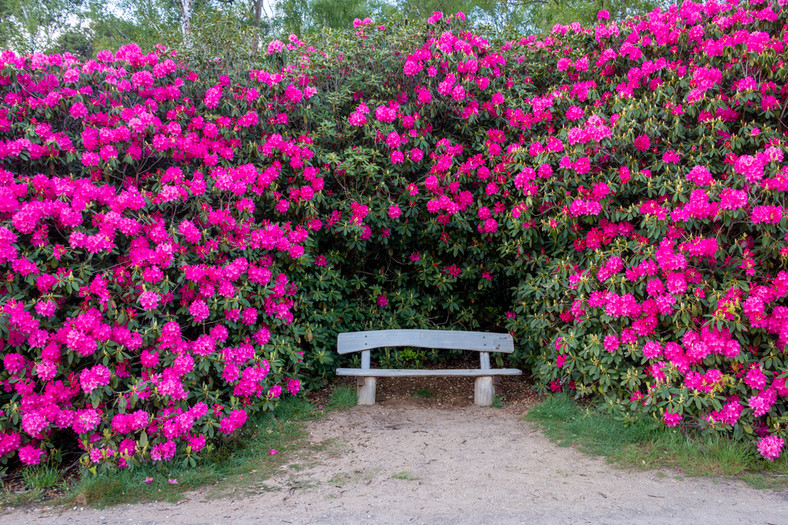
484	360
483	391
366	390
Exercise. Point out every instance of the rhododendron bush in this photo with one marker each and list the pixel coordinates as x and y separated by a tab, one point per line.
145	307
661	279
181	247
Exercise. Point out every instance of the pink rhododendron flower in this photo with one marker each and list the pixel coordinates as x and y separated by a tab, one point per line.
274	392
149	300
199	310
234	421
672	419
385	114
163	451
652	350
357	119
397	157
755	379
275	46
94	377
770	447
85	421
749	166
642	143
763	402
213	96
700	176
766	214
30	455
731	199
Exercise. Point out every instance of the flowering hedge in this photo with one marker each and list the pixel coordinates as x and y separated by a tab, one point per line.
142	243
180	246
659	161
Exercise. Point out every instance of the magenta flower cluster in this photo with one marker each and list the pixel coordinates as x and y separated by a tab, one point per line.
137	267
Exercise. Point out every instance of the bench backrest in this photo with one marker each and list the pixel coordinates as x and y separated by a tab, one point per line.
445	339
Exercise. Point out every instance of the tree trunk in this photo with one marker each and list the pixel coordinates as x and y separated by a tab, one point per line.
187	10
258	14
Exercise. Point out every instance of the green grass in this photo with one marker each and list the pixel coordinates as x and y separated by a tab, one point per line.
498	401
39	482
41	477
246	454
645	443
342	397
425	393
20	499
404	475
340	479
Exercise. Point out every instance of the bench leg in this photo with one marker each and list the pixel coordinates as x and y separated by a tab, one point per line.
366	390
484	391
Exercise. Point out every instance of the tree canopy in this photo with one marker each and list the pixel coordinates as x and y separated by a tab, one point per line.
84	27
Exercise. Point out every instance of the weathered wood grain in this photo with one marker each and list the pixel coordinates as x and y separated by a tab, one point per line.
442	339
366	391
483	391
401	372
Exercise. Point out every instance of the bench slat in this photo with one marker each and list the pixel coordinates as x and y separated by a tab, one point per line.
399	372
444	339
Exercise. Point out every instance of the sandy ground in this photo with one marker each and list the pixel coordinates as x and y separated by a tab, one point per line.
403	462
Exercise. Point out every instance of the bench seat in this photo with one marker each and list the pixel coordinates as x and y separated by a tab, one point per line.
406	372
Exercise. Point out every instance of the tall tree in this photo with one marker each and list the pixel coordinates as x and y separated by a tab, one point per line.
77	41
112	28
542	15
301	17
29	26
150	22
425	8
187	11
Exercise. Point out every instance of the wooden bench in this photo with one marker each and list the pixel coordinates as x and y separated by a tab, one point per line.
482	342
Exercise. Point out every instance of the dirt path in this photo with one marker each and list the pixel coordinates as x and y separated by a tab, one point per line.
402	462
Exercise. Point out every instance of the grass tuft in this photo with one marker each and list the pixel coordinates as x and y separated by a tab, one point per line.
498	400
41	477
404	475
342	397
645	443
425	393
